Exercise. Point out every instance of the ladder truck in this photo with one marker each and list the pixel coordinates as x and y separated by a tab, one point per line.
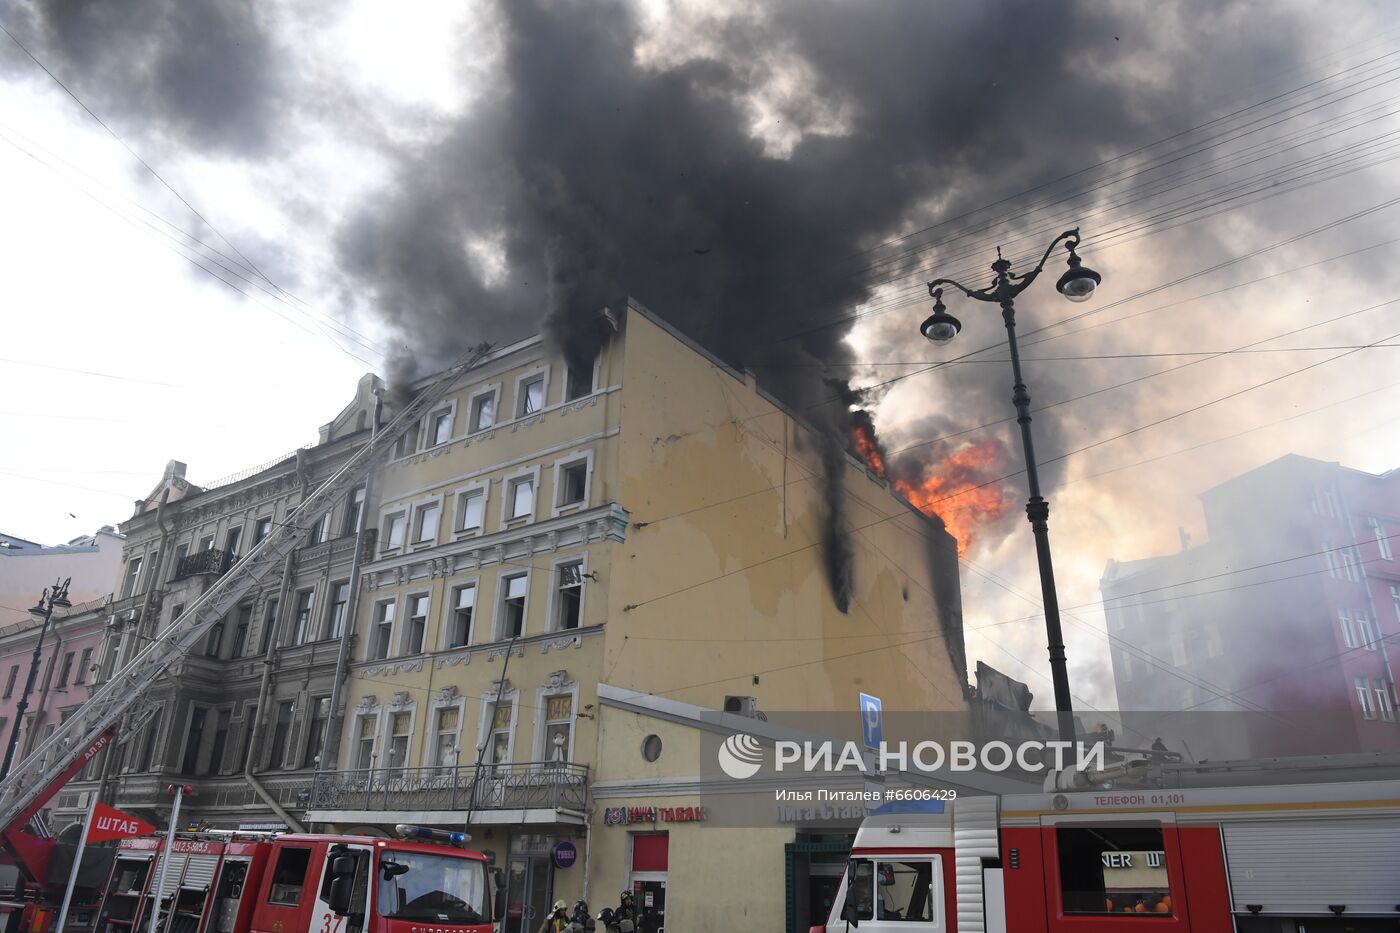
96	724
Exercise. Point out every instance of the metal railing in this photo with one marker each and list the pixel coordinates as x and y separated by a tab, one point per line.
548	785
212	561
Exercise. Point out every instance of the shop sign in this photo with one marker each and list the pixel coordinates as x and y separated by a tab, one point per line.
623	816
564	855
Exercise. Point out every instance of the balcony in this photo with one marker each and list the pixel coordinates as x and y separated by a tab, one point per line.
527	792
212	561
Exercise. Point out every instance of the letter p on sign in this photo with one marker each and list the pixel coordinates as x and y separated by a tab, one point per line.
872	728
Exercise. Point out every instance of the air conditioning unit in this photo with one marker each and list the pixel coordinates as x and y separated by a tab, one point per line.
742	706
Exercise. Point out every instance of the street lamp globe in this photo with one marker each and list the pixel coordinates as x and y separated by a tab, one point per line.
940	326
1079	281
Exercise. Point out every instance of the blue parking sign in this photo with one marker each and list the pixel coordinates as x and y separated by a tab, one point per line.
872	728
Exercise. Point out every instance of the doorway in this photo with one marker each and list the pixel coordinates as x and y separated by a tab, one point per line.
529	887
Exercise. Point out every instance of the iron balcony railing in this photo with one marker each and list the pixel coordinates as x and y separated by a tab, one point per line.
517	786
211	561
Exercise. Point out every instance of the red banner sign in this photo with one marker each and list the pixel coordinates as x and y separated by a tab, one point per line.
110	823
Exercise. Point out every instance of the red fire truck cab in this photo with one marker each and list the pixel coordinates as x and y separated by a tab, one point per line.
220	883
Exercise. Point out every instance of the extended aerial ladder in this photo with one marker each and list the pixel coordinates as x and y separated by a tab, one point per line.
93	725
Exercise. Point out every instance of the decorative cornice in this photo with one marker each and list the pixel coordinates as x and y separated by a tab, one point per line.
407	666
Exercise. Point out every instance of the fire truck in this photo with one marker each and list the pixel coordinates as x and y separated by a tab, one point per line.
341	884
235	883
1276	857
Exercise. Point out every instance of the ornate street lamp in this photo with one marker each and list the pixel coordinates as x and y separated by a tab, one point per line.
53	598
1077	284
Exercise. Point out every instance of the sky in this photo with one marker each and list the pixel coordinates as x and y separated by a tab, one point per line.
240	208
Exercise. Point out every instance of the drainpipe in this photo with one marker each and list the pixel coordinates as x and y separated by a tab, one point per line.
248	776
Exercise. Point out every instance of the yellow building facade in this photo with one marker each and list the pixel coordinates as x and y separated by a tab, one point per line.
652	524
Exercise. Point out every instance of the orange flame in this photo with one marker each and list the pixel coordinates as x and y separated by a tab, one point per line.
868	449
953	490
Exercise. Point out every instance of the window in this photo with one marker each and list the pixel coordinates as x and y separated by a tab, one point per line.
1112	869
1366	631
383	631
321	531
513	593
206	543
498	749
400	725
250	726
483	412
364	742
394	528
84	666
354	508
520	498
261	529
1214	647
282	733
1348	633
531	395
558	727
568	599
1334	565
417	624
459	627
216	754
10	681
1383	704
335	619
269	625
133	577
193	739
232	539
289	876
1394	599
215	641
406	444
1382	541
1126	667
301	622
578	382
449	719
425	522
181	551
65	671
149	743
1178	643
1363	694
902	889
1333	505
244	622
571	482
316	735
471	509
440	427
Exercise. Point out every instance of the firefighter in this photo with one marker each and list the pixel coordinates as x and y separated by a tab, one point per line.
558	919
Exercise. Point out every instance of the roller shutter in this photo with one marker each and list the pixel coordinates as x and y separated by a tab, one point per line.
199	872
1302	866
975	838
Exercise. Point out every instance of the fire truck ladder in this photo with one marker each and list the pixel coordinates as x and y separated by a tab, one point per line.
41	772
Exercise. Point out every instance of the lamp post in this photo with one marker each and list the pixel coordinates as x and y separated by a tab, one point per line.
1077	284
56	597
